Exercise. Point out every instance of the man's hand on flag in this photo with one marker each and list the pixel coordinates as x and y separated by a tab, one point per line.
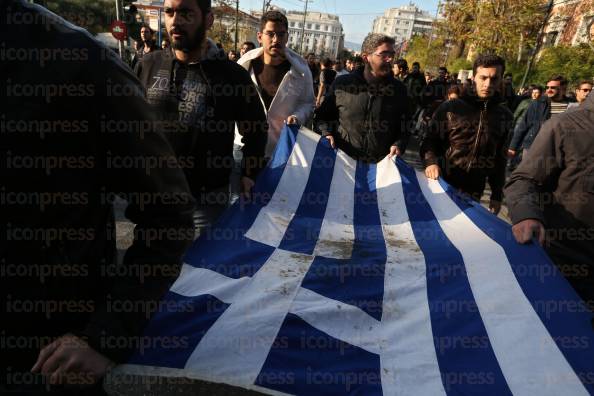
331	140
527	229
432	172
494	206
246	187
70	360
394	151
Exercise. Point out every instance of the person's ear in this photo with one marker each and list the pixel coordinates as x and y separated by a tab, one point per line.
259	37
209	20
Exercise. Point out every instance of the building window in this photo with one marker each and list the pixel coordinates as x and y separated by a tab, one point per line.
551	39
309	25
317	27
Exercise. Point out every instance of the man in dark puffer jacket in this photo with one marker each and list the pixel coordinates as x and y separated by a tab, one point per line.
366	113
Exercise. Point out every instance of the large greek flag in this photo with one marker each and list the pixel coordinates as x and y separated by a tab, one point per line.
342	277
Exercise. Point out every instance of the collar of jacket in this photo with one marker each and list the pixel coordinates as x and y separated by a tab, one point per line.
360	73
298	64
212	53
474	100
589	103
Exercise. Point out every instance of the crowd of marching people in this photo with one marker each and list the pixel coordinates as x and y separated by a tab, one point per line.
208	121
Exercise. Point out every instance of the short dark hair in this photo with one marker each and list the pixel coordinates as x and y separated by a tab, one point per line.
488	60
275	17
585	82
507	75
205	6
455	89
326	62
374	40
357	59
560	78
402	64
532	87
417	64
443	68
146	26
249	44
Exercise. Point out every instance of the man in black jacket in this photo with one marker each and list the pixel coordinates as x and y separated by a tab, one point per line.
76	131
366	113
202	95
466	138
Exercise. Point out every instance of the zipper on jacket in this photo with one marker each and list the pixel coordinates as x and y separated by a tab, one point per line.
478	137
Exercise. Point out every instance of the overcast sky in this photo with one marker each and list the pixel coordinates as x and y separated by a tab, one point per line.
356	16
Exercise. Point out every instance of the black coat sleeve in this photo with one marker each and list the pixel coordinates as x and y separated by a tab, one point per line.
251	123
327	115
405	119
536	175
436	140
160	205
496	176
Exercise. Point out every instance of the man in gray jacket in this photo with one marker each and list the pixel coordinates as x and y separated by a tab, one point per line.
550	196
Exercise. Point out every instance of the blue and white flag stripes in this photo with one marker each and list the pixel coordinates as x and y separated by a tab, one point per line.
342	277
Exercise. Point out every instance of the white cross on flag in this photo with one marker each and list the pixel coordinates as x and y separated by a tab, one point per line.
342	277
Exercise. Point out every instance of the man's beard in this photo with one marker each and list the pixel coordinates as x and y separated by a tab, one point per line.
380	72
187	44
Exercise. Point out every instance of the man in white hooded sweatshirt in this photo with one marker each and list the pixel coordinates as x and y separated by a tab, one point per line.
284	83
281	75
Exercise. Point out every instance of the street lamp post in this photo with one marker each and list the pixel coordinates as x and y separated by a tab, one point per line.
120	44
303	27
236	23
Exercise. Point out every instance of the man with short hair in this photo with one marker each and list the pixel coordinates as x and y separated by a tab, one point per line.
349	65
357	63
400	69
339	68
202	95
413	81
534	92
247	46
581	93
315	70
366	113
417	82
466	139
147	44
283	79
327	77
510	97
436	91
553	103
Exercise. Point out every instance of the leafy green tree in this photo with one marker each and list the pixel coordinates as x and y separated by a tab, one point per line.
574	63
499	26
430	55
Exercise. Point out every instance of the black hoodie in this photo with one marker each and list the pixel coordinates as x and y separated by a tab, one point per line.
200	104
